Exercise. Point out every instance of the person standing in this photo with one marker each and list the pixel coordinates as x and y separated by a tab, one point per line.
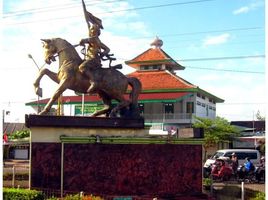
234	162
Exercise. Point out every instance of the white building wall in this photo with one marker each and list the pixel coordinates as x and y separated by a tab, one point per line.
204	108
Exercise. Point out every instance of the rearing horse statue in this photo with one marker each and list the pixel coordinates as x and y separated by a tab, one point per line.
108	83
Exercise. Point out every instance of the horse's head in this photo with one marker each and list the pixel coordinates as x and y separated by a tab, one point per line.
50	50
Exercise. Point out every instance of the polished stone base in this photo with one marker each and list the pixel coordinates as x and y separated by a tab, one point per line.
81	122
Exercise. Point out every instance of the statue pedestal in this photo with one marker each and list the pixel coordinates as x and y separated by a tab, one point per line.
51	128
111	158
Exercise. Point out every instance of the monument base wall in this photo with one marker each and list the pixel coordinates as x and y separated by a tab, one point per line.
112	165
118	169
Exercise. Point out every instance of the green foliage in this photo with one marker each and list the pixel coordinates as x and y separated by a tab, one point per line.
22	194
52	198
19	134
216	130
207	181
77	197
259	196
73	197
259	116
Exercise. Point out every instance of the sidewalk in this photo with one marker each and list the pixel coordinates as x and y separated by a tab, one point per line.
252	186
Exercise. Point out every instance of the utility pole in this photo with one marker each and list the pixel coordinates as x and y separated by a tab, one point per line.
253	124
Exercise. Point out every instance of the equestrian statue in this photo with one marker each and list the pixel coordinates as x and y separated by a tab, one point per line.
88	75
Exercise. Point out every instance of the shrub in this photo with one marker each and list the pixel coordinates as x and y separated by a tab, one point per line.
207	181
91	198
73	197
22	194
259	196
19	134
77	197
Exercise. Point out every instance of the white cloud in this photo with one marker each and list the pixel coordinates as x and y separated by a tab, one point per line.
241	10
240	101
216	40
249	7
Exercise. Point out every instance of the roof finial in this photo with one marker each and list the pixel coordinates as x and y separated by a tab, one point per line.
157	43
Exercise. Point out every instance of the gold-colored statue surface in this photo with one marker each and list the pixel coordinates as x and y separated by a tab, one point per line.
88	76
96	49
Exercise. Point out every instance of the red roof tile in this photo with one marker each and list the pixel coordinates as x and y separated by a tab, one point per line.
153	55
159	80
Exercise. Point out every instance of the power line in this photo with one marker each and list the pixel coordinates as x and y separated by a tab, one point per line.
226	70
123	10
221	58
52	8
210	31
242	103
162	5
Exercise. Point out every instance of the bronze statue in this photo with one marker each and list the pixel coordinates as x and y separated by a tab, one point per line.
88	76
109	83
96	51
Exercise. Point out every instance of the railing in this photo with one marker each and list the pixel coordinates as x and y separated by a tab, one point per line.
16	176
169	118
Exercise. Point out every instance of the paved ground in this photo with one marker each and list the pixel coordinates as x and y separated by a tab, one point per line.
257	187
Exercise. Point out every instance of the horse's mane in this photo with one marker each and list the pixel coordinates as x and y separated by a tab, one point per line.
64	44
61	41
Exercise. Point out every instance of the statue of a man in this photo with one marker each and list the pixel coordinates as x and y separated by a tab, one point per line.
96	49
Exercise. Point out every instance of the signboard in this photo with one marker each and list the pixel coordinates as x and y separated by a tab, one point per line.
88	109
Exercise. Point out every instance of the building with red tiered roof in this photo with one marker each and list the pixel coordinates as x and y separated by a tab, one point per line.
166	98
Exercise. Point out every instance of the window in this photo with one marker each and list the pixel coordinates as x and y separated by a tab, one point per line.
144	67
190	107
150	67
242	155
198	103
198	94
169	107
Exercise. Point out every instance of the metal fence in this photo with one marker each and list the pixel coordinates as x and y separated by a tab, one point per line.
16	176
169	118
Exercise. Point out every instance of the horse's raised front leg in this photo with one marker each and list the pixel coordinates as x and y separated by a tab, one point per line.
42	72
61	88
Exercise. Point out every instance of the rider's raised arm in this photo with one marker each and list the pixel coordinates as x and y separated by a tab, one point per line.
84	41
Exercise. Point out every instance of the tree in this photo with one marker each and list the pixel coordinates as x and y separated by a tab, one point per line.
19	134
259	116
215	131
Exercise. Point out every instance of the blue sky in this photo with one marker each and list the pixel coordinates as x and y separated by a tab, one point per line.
190	29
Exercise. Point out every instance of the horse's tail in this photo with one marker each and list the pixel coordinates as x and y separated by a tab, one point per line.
136	89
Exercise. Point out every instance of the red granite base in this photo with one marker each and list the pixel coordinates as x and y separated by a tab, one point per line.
167	171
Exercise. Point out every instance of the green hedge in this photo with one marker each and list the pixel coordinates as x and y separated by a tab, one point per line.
259	196
22	194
